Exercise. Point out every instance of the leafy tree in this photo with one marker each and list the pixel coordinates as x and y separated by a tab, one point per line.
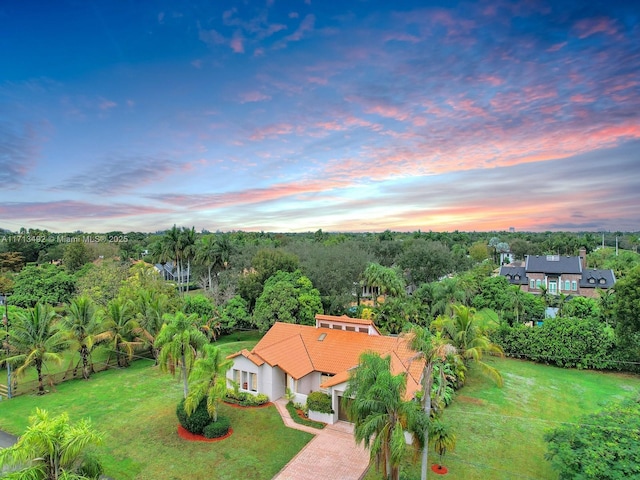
145	277
178	342
208	380
34	339
581	307
102	282
84	328
287	297
381	415
53	449
121	329
425	261
11	261
442	438
600	446
42	284
235	315
198	304
76	254
627	305
267	262
478	251
468	331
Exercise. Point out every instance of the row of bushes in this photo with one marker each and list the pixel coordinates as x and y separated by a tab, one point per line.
245	399
565	342
200	423
293	411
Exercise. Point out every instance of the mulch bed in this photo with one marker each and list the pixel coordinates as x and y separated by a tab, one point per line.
192	437
235	405
439	469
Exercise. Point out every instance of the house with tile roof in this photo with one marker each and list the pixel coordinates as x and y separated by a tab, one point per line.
304	359
559	274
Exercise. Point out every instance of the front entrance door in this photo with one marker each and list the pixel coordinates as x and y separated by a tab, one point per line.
342	409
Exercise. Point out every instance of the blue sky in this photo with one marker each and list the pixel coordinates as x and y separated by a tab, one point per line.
299	115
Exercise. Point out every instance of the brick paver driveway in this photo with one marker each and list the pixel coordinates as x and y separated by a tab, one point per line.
332	454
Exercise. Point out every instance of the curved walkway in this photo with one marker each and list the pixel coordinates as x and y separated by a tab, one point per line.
331	455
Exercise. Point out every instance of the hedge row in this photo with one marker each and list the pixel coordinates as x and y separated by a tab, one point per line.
565	342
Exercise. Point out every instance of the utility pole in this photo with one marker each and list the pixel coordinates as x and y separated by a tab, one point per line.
5	320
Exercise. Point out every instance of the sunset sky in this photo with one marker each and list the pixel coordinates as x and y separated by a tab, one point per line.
298	115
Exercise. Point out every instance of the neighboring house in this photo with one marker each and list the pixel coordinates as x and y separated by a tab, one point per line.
303	359
170	273
559	274
506	257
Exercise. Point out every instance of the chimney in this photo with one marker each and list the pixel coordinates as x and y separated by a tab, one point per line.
583	258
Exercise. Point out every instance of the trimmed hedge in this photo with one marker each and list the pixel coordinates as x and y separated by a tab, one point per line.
197	421
219	428
319	402
302	421
245	399
565	342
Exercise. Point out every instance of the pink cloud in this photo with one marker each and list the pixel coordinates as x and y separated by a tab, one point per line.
236	43
271	131
253	96
590	26
556	47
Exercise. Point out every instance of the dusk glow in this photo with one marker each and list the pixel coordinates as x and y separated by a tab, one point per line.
300	115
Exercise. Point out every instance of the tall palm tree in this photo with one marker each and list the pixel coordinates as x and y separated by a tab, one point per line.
208	254
380	413
85	330
121	329
188	249
171	248
468	331
432	350
386	279
178	341
53	449
208	380
35	339
445	293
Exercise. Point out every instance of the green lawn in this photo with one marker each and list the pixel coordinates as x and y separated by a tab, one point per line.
499	430
135	407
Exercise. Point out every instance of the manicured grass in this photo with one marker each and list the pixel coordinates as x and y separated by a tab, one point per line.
135	408
499	430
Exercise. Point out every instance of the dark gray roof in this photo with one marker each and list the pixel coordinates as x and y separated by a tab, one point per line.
553	264
592	278
515	275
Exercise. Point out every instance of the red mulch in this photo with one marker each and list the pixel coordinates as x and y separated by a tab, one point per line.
192	437
235	405
439	469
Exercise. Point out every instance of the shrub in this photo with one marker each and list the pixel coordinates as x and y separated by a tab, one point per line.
245	399
195	422
219	428
292	409
319	402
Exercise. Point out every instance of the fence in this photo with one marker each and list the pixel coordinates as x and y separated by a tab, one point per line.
51	379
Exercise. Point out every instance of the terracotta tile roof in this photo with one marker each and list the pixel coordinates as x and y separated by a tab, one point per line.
301	349
247	354
290	354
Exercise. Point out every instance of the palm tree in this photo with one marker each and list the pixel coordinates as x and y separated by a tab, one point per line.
121	328
445	293
53	449
442	439
188	249
85	330
467	329
208	254
386	279
432	350
208	380
150	307
517	296
178	341
380	413
35	339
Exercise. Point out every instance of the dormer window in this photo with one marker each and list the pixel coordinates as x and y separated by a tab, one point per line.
517	277
602	281
592	280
